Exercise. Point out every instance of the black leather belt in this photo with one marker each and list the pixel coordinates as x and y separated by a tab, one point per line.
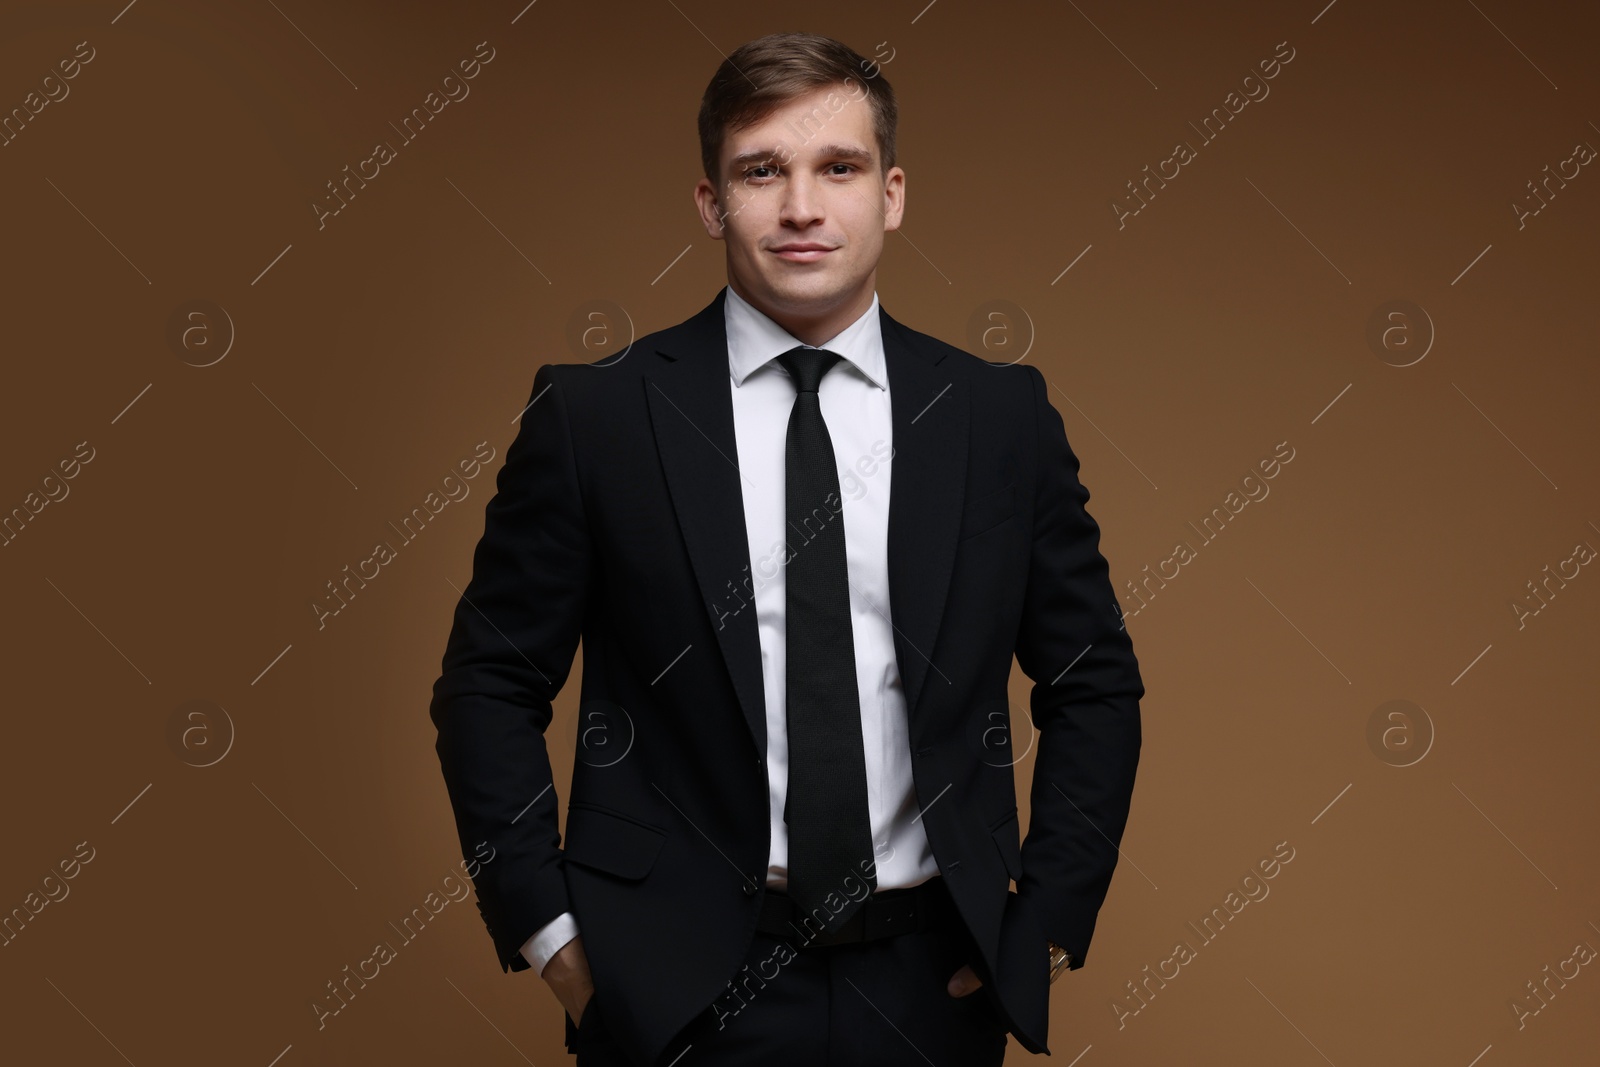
886	913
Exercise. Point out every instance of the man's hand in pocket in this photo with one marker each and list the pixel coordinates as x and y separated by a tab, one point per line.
963	982
567	975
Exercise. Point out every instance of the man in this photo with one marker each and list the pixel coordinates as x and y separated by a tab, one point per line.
800	543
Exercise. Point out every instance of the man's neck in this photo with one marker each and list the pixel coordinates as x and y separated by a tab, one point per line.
814	330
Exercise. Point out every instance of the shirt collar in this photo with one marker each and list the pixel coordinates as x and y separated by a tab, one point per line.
754	340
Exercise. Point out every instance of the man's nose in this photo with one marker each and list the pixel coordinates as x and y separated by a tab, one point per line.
802	201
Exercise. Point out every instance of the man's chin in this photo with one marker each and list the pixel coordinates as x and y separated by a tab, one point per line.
807	296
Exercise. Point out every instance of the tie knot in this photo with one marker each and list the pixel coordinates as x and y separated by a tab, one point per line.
807	366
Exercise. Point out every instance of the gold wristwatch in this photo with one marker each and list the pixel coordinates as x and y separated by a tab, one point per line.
1060	960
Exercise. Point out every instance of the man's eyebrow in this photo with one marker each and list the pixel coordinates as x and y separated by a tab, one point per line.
832	151
846	151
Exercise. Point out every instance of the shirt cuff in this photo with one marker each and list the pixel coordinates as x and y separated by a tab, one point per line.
549	939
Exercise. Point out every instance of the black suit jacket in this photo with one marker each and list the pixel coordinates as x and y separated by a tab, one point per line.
618	519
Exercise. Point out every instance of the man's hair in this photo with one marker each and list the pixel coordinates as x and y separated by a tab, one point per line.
768	72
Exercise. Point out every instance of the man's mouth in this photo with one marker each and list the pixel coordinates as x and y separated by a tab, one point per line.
802	251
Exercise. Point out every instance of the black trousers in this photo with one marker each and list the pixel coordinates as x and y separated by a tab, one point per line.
880	1003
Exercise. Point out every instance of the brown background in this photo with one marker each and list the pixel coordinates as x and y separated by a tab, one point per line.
370	356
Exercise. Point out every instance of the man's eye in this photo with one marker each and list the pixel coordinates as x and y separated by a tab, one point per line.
751	172
846	166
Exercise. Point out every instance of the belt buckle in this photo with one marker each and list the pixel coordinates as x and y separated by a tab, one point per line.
883	914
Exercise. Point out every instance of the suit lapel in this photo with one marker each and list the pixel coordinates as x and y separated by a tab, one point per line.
931	420
688	391
690	402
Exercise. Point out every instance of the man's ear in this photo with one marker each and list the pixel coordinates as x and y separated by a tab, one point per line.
894	198
710	208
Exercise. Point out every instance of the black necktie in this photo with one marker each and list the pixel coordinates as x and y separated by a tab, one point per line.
829	830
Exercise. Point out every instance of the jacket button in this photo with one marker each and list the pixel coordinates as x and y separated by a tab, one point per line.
749	887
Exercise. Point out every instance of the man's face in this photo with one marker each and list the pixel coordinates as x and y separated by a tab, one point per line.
804	205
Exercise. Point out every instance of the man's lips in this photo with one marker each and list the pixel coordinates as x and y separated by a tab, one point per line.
802	252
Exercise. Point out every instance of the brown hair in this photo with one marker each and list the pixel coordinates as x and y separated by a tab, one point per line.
763	74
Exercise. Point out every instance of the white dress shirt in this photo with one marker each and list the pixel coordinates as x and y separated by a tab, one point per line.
854	397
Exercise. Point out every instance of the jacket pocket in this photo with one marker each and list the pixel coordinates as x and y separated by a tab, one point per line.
611	842
987	512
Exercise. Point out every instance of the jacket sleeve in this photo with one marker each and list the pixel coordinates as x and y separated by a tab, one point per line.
1072	642
515	632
